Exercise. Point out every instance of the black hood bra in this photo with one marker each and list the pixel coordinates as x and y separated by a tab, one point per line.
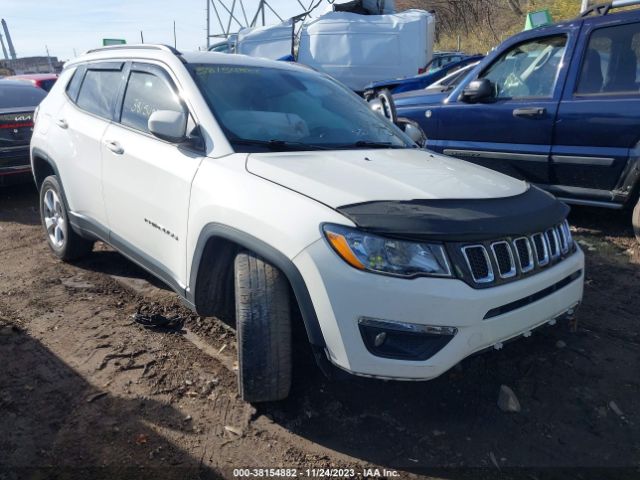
460	220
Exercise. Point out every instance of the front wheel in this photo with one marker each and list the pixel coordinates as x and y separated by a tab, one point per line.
263	322
636	220
63	241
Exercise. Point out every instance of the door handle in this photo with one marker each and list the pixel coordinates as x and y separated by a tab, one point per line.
62	123
531	112
114	146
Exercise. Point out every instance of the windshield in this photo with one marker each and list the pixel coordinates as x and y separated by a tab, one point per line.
276	109
12	96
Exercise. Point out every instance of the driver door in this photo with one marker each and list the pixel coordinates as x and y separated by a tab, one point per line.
511	133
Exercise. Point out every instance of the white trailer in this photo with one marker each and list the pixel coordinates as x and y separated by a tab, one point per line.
355	49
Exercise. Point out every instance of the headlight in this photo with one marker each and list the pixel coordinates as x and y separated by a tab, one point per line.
372	253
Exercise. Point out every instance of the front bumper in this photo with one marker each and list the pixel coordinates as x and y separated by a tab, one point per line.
343	295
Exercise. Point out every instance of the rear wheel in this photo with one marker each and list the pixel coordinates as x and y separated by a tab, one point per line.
263	322
636	221
62	240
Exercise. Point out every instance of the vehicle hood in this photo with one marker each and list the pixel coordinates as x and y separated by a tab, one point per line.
338	178
419	97
424	78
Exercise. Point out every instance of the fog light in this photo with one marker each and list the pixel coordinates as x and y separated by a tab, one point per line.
380	338
404	341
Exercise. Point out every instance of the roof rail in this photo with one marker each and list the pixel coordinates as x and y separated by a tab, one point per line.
604	8
142	46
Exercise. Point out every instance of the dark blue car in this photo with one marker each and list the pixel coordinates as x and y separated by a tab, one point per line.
421	81
557	106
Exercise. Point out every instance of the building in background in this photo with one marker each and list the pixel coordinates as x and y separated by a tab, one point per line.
21	66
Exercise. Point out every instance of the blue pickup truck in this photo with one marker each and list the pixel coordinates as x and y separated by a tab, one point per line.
558	106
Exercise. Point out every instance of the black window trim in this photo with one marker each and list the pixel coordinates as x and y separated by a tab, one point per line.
591	96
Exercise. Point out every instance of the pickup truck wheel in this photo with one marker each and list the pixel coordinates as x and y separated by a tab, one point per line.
63	241
263	322
636	221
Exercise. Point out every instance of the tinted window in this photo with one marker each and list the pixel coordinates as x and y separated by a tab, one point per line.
611	64
528	70
145	94
99	91
47	85
73	87
17	96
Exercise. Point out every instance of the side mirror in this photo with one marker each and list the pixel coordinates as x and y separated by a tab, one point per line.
168	125
478	91
413	131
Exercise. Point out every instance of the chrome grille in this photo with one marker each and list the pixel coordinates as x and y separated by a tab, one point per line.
508	259
524	252
479	263
541	249
504	259
552	241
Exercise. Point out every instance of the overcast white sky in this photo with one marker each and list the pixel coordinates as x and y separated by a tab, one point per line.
65	25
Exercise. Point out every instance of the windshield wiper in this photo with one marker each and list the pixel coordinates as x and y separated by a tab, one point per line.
367	144
277	145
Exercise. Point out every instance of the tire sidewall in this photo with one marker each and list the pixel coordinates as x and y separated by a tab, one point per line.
51	183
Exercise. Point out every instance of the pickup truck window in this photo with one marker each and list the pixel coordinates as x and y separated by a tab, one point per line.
528	70
610	65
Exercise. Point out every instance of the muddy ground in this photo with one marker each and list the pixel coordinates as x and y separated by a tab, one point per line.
85	392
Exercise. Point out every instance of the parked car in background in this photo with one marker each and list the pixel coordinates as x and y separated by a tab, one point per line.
266	186
18	101
433	94
418	82
44	81
451	81
440	59
558	106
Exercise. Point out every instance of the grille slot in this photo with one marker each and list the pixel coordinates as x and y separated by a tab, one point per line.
524	253
552	239
542	251
504	259
479	263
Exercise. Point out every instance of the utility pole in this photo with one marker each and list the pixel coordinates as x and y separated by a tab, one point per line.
585	6
49	59
141	37
175	42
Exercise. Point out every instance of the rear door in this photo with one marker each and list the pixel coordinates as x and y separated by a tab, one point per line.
513	132
147	181
598	119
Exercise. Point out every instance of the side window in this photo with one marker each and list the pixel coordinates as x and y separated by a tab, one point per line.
610	65
73	87
99	91
528	70
145	94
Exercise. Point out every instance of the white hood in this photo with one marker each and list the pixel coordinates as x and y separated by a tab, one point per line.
338	178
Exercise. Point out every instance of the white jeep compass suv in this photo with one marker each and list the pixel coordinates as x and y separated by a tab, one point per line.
271	186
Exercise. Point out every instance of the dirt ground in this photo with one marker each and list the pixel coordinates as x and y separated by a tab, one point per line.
85	392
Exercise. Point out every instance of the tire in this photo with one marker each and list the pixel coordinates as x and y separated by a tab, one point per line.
636	221
63	241
388	105
263	323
